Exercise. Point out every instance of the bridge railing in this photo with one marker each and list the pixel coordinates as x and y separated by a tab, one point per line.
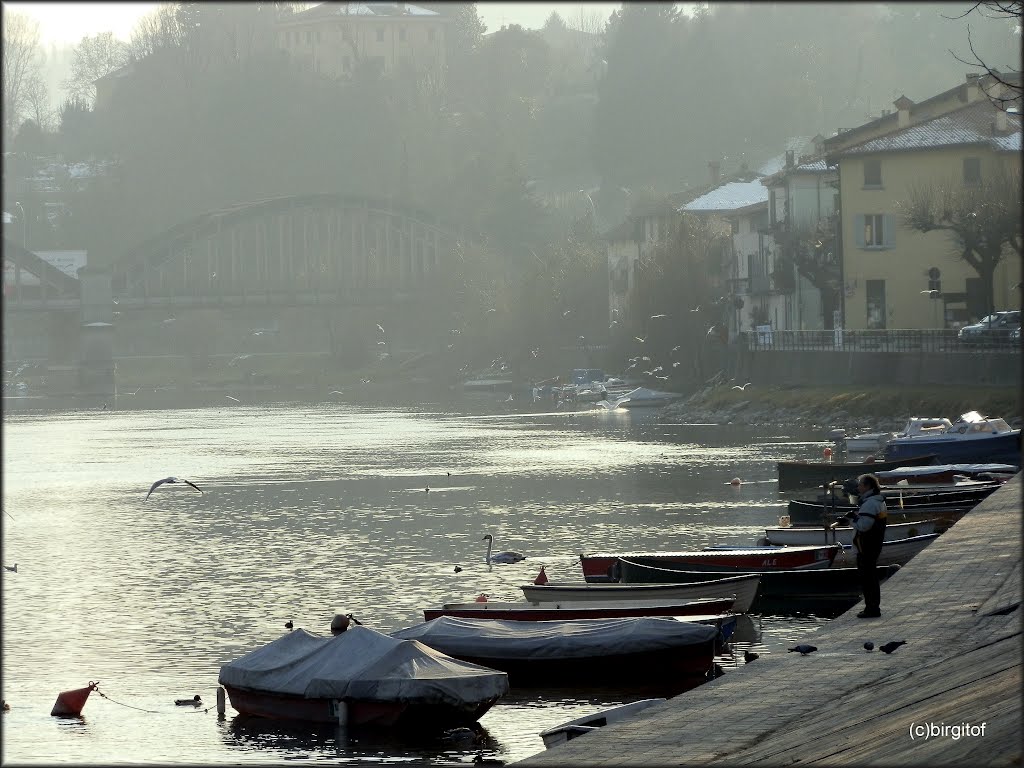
889	340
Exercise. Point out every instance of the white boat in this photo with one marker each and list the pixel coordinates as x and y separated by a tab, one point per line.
584	725
805	535
916	426
642	397
895	552
743	588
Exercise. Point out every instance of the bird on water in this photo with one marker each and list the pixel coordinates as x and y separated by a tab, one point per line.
501	557
171	480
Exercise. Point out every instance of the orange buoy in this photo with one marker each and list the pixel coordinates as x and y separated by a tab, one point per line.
70	703
481	598
827	452
542	578
735	481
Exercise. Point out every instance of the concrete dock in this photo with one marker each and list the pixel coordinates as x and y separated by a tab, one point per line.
957	606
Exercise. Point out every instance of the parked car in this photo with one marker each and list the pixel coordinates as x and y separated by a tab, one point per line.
991	329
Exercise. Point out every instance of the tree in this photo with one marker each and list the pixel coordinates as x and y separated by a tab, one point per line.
94	57
982	221
20	66
37	103
1006	10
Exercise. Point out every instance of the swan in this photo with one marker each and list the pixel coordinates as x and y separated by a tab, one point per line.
501	557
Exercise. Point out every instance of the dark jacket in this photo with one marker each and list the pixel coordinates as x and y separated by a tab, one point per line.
870	523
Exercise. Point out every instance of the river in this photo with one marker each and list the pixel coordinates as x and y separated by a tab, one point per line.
309	509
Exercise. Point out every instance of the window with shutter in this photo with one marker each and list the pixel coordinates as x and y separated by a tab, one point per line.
858	230
889	230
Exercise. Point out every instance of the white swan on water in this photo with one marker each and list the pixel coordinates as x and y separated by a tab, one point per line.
501	557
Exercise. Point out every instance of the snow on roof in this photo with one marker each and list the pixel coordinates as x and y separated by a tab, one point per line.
729	197
367	9
970	125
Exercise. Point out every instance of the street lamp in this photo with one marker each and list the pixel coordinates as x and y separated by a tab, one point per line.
24	226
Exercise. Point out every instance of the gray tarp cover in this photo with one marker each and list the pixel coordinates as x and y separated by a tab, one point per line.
361	664
578	638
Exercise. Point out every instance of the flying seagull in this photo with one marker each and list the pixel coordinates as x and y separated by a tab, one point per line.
379	328
229	397
743	387
172	480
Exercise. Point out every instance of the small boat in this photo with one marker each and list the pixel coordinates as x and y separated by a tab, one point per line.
632	651
587	609
894	551
743	588
795	475
583	725
841	534
972	438
815	515
363	677
947	473
642	397
827	590
600	567
868	442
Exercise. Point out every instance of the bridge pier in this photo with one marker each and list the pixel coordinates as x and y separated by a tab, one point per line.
96	334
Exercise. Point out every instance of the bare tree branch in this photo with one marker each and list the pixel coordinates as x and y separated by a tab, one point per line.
20	65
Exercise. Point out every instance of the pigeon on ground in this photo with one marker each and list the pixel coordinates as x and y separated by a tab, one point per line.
803	650
891	646
749	657
869	646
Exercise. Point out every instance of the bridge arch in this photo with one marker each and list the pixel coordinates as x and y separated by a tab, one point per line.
315	243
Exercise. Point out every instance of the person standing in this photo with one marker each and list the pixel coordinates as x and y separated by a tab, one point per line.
869	523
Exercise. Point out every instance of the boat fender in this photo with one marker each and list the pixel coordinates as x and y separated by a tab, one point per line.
481	598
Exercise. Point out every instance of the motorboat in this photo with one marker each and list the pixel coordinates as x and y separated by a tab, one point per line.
632	651
944	514
823	590
643	397
868	442
584	609
971	438
840	534
795	475
601	567
581	726
894	551
360	677
947	473
743	588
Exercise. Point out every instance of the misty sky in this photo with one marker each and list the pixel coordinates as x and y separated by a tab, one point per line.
70	22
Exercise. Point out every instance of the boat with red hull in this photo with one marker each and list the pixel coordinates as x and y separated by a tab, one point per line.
602	567
581	609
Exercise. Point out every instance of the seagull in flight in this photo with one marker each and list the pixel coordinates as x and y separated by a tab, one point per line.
655	317
743	387
639	339
229	397
172	480
379	328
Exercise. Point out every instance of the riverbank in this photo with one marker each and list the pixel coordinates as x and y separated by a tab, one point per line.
853	409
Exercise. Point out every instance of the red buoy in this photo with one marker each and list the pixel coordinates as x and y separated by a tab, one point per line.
70	703
542	578
481	598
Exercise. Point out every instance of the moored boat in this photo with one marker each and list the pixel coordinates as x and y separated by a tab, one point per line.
583	725
363	677
794	475
632	651
841	534
827	590
600	567
971	438
944	514
894	552
947	473
586	609
743	588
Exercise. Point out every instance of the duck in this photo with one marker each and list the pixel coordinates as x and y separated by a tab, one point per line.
501	557
195	701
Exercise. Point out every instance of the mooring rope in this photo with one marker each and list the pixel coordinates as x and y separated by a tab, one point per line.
140	709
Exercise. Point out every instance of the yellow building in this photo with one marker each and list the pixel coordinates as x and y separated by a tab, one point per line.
897	277
333	38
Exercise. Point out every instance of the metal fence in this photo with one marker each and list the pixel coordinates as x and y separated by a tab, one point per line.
895	340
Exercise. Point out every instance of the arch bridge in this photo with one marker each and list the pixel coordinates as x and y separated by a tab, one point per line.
291	250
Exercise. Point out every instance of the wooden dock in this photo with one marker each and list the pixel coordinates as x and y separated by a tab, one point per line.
956	604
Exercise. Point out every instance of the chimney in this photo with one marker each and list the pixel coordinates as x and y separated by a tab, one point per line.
973	91
713	168
789	158
1000	124
903	105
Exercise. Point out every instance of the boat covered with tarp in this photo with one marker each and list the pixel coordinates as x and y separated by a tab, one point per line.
380	680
